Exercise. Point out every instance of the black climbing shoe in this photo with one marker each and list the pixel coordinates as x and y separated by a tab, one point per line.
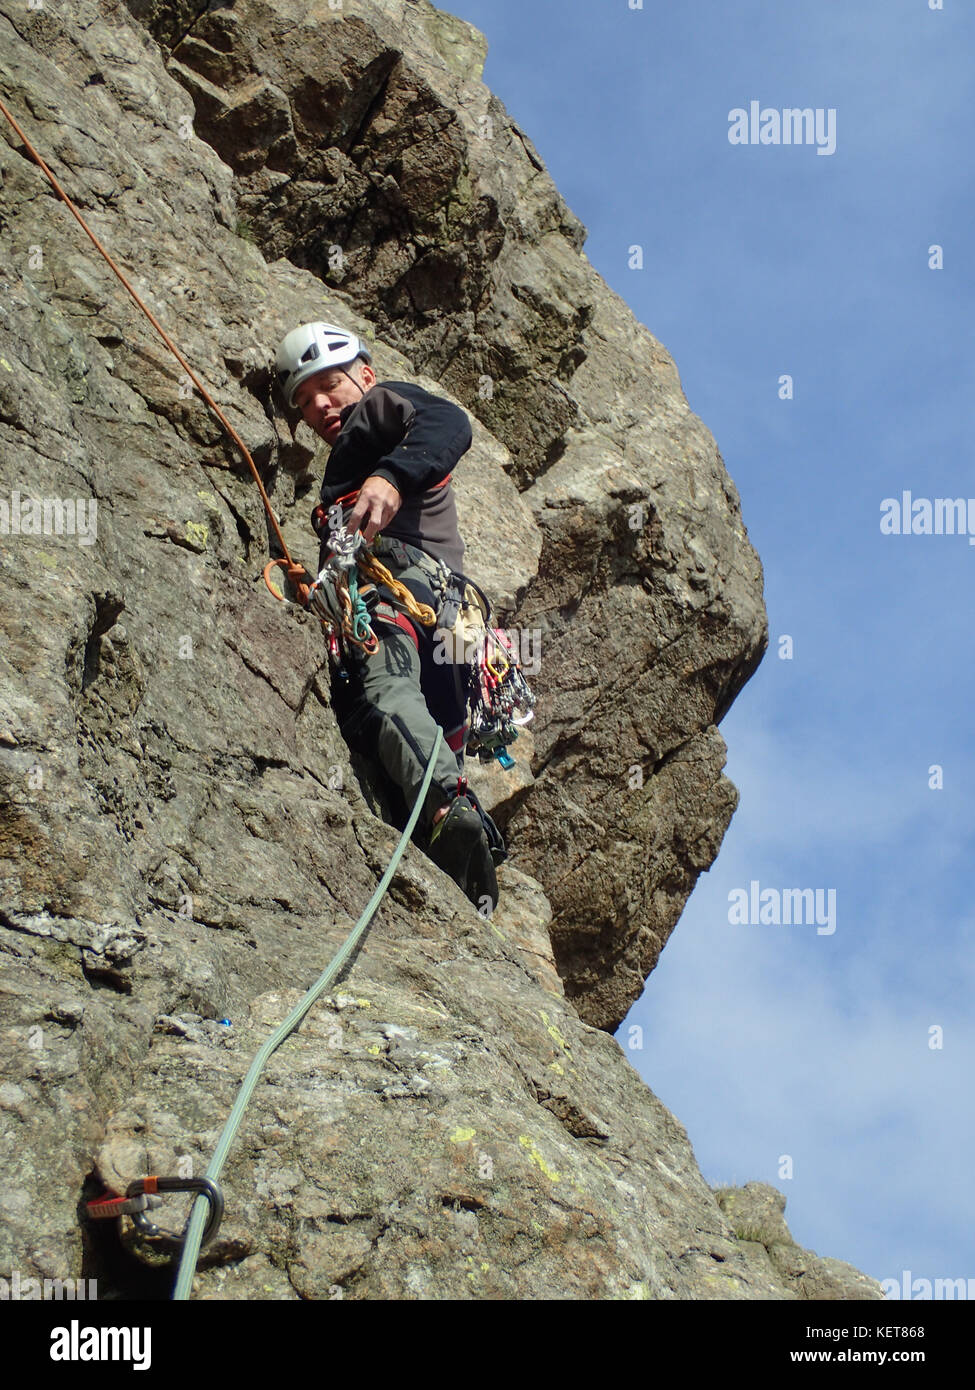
482	879
459	846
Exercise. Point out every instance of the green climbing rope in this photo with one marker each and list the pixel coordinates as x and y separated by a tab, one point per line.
360	613
194	1233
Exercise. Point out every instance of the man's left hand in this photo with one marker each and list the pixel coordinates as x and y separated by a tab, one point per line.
377	504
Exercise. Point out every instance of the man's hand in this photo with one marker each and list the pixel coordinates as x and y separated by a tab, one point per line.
377	504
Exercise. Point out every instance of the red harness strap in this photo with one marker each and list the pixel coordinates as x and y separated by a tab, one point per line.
351	496
401	620
319	516
386	613
455	741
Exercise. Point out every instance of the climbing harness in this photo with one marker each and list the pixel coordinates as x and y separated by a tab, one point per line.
140	1197
339	601
498	694
336	599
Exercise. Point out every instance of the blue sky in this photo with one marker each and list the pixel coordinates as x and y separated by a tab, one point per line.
763	260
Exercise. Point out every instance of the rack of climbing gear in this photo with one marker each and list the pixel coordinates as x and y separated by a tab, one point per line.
335	597
338	598
500	698
142	1196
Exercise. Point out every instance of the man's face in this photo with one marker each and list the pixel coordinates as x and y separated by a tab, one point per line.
322	397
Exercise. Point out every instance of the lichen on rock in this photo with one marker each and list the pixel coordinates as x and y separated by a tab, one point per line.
184	838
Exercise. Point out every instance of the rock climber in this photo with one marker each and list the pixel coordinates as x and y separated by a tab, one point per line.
393	448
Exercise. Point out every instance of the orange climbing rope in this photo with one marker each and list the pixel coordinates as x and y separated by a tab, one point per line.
296	573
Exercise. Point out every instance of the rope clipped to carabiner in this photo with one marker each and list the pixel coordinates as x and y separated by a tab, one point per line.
140	1197
334	597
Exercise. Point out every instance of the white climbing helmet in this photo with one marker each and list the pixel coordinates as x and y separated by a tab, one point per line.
312	348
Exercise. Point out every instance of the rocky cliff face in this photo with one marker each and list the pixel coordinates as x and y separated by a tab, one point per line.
183	838
366	150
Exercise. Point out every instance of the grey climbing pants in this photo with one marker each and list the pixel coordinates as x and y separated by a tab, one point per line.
396	698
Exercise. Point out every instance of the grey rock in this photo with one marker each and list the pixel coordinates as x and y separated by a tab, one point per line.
366	149
183	837
757	1216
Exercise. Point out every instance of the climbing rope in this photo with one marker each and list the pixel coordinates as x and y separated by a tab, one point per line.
201	1207
378	572
296	573
353	621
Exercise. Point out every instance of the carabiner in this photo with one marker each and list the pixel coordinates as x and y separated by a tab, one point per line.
138	1198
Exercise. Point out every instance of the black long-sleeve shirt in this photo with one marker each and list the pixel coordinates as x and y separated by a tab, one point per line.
413	439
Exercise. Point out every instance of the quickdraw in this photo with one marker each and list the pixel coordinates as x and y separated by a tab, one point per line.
337	598
334	597
501	700
140	1197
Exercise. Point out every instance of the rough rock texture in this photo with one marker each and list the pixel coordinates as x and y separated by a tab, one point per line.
365	148
756	1212
182	837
